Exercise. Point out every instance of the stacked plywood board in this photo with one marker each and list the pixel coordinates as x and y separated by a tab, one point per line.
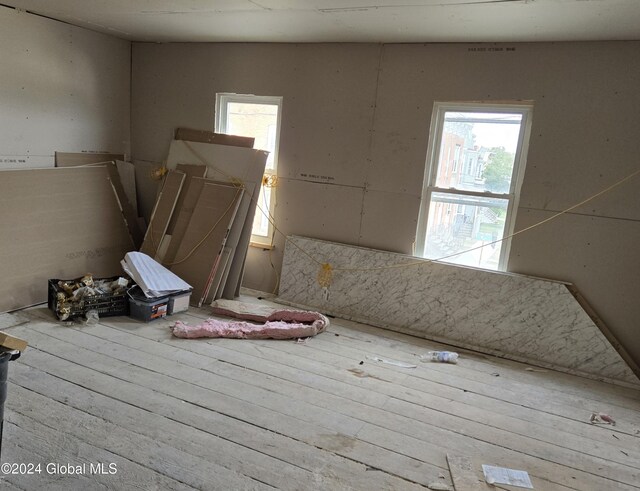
57	223
201	224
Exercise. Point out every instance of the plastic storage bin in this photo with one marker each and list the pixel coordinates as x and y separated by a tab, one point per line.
147	309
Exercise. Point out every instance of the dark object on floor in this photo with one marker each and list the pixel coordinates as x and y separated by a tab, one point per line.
5	357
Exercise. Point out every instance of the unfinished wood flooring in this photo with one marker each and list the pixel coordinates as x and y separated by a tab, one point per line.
320	415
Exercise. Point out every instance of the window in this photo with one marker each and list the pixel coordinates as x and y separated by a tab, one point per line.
476	206
257	117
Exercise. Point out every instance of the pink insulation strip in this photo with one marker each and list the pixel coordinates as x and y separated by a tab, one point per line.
281	324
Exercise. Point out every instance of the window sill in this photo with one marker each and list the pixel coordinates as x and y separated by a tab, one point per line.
264	247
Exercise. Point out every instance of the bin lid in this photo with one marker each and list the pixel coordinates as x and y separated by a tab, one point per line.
8	354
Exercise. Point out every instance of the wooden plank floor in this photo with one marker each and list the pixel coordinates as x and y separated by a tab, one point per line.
320	415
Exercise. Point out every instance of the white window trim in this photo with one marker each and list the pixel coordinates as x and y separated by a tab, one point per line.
222	101
431	167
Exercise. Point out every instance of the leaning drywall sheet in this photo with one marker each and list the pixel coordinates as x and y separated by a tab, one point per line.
147	186
64	159
228	164
235	234
200	250
162	213
125	205
204	136
189	172
519	317
191	196
217	283
127	173
224	162
57	223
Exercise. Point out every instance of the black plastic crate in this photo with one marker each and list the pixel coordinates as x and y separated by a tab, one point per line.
107	304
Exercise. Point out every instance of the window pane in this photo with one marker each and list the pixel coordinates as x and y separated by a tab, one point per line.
477	151
260	221
458	222
256	120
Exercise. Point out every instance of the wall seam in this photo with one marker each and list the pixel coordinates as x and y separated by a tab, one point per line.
371	138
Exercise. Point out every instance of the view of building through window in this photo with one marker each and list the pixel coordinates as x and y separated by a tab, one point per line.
257	117
475	158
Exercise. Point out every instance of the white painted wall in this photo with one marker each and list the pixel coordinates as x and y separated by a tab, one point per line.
358	115
62	88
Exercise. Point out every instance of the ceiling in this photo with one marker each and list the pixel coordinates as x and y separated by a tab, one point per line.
385	21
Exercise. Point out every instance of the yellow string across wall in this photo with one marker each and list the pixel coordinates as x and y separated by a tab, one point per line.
326	269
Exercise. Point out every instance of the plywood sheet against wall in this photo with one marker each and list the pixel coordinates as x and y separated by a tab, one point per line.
385	221
57	223
513	316
62	87
597	254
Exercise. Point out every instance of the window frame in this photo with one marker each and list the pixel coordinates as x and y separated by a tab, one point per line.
525	108
223	99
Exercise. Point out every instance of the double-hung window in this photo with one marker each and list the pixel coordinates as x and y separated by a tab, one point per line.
474	171
257	117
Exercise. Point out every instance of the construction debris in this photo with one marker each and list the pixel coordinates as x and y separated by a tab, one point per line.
439	486
440	356
283	324
502	475
395	363
70	299
12	343
273	323
601	418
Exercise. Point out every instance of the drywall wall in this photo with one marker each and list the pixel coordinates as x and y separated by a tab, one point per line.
62	88
355	120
